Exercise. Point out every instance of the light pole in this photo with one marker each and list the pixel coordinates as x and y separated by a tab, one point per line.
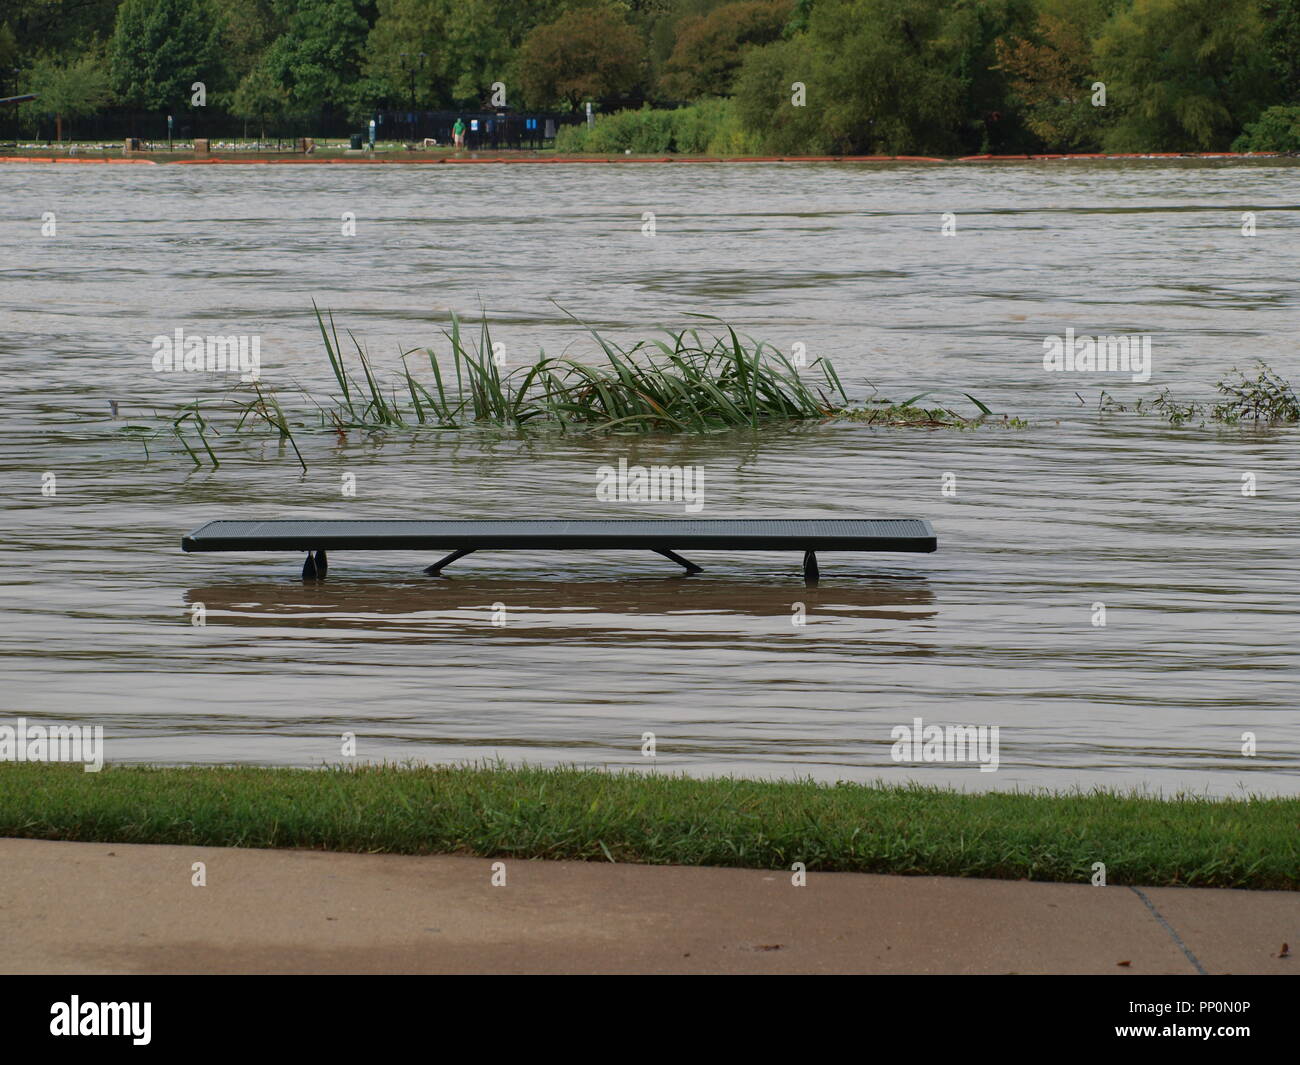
411	64
16	74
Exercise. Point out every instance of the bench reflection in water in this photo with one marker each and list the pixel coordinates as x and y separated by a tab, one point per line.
551	609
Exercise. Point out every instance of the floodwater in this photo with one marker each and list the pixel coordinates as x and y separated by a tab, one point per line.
1042	524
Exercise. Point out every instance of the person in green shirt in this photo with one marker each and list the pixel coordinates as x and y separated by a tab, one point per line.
458	133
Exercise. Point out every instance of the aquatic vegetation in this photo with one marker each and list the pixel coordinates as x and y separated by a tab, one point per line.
700	380
685	381
907	414
1267	399
190	418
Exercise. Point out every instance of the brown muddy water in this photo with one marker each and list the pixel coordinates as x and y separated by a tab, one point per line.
1198	580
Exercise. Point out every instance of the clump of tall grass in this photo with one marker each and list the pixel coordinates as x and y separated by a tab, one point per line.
698	380
684	381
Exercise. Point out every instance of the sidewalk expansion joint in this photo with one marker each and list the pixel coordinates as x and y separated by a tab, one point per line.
1170	929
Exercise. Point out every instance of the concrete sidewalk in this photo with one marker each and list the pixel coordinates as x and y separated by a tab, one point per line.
112	908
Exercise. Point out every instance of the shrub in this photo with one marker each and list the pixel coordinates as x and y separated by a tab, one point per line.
710	127
1276	130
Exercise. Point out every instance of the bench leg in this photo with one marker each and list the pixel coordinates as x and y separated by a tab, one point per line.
673	556
810	573
436	568
315	566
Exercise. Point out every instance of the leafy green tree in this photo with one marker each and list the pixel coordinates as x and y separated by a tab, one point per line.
484	38
318	56
72	89
591	53
468	44
658	22
709	48
8	54
248	29
411	27
160	48
1282	33
259	98
59	27
764	97
800	17
881	76
1184	75
1052	69
972	31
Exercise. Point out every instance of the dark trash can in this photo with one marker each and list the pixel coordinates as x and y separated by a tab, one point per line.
357	141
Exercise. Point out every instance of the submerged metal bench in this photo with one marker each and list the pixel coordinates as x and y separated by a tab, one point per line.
808	535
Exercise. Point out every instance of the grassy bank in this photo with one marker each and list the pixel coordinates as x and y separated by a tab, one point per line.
658	819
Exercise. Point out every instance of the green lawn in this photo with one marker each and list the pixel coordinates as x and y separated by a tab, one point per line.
659	819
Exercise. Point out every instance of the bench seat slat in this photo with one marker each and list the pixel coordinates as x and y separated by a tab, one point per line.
727	534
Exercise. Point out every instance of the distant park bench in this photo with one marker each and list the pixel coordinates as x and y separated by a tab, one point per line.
808	535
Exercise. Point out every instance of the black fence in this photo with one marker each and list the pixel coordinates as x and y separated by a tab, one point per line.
31	123
487	130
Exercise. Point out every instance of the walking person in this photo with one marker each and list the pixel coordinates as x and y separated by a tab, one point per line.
458	133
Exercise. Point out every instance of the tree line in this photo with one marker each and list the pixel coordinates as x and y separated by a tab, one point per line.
789	76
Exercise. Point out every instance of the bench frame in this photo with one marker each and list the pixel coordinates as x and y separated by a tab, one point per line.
660	536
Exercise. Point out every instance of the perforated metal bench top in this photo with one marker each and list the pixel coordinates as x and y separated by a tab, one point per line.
743	534
464	537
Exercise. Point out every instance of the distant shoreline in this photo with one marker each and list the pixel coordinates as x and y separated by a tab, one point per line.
408	158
